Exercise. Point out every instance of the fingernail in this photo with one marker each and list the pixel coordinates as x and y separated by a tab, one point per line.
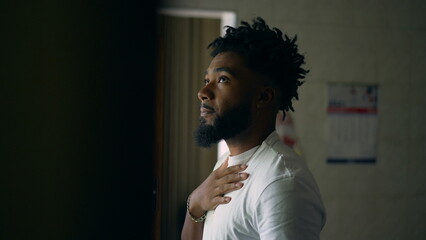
226	199
244	175
238	185
243	166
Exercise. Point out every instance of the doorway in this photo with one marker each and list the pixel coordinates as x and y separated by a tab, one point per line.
183	37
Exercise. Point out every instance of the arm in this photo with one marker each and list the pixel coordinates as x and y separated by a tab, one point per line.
192	229
209	195
288	209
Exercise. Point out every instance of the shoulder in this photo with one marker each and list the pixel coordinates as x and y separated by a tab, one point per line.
282	172
278	147
276	160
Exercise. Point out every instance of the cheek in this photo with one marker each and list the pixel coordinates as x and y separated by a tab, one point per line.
230	98
221	100
222	106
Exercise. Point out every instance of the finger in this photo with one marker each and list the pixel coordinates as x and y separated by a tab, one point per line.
224	165
227	188
220	200
230	170
232	178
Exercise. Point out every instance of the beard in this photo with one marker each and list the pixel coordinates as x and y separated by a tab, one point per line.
231	123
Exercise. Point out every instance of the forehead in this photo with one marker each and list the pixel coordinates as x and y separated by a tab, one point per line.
228	60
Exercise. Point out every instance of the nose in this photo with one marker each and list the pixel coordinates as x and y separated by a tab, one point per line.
205	94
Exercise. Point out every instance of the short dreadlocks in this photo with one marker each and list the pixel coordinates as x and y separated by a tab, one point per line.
266	52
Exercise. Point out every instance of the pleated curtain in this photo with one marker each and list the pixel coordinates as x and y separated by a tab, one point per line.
181	165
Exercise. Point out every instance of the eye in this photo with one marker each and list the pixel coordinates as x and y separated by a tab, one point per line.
206	81
223	79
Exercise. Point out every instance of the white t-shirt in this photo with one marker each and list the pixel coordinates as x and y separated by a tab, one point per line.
279	200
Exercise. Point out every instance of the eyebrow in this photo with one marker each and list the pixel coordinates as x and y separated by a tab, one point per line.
221	69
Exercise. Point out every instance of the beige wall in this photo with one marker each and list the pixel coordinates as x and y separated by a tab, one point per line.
378	42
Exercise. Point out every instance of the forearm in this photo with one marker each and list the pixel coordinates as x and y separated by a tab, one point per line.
191	229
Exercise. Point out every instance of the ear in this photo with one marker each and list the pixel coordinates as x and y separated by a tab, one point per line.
267	97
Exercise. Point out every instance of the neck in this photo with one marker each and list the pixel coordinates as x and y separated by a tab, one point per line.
248	139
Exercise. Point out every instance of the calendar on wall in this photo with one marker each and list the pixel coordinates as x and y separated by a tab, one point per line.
352	115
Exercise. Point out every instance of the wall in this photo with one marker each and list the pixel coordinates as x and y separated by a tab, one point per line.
378	42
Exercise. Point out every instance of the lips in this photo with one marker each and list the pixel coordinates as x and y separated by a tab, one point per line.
206	110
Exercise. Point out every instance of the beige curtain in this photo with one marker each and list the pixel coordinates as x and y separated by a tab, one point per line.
183	165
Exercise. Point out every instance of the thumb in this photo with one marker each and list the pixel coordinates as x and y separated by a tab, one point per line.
224	164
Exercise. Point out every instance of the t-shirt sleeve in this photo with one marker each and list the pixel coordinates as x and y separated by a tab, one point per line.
288	210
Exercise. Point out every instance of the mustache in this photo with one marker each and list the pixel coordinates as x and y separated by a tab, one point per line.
203	105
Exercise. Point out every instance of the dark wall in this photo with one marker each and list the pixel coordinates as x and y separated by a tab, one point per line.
77	119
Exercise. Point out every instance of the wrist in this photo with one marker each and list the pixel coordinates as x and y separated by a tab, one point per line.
196	214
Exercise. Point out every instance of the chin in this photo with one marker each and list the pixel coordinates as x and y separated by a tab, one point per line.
207	121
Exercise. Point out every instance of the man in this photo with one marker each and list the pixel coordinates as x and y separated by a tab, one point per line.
260	189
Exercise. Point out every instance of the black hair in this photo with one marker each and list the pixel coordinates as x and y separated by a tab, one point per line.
268	53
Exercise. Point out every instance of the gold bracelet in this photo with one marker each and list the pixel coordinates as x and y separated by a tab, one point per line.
197	220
